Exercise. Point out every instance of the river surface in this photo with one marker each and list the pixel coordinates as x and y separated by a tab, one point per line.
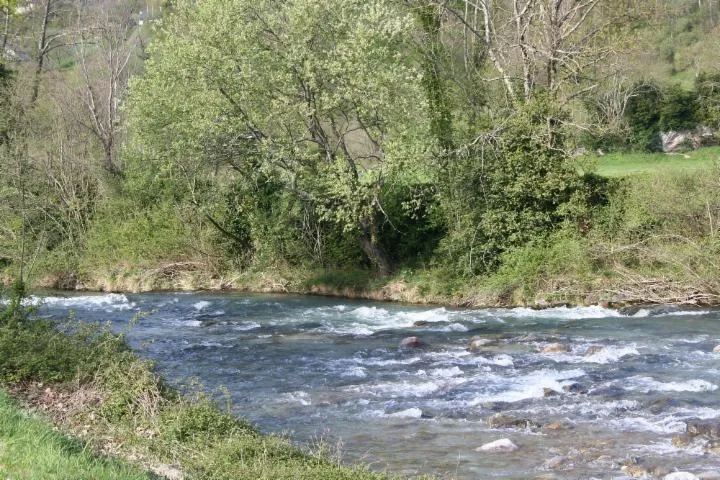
333	370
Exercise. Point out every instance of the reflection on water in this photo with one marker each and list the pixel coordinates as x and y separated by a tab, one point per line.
617	386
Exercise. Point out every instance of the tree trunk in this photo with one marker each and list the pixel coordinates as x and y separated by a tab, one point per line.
376	254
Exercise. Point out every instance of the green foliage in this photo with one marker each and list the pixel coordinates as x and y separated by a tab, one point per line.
643	116
36	350
677	111
707	86
519	188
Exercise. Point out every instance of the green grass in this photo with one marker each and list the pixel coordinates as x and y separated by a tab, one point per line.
31	449
625	164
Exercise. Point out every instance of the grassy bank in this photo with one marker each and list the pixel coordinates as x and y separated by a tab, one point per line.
624	164
31	448
104	400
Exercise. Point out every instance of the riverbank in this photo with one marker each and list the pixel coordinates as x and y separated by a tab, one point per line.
114	414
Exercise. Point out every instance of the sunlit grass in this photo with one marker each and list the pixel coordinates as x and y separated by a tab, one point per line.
31	449
624	164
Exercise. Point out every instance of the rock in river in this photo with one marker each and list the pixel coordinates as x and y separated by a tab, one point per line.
502	445
479	343
704	428
500	420
412	342
556	348
716	349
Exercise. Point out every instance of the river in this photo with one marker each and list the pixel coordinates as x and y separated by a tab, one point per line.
333	370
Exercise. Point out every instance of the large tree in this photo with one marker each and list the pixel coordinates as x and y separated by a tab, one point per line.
322	97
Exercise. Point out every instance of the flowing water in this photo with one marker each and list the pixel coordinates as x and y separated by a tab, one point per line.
333	369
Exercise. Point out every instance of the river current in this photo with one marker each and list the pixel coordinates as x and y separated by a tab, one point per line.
333	370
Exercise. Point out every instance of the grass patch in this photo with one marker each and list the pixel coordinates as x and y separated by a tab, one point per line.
31	449
626	164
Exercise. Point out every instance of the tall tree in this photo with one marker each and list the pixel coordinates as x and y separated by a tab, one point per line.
321	97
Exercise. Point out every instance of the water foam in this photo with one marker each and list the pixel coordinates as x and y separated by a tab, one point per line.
108	302
649	384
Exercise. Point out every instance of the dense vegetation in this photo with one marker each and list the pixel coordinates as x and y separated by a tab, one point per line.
423	150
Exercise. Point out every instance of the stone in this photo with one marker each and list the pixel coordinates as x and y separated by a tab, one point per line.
502	445
556	348
421	323
411	342
556	462
716	349
680	476
705	428
574	388
681	441
549	392
593	349
500	420
635	471
555	426
479	343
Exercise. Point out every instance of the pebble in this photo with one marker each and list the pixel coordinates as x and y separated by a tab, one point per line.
502	445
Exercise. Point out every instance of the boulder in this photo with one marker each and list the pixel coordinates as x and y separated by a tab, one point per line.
421	323
502	445
703	428
500	420
593	349
680	476
412	342
556	348
716	349
674	141
479	343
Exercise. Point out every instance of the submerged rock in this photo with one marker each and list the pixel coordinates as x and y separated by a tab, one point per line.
479	343
555	426
502	445
500	420
703	428
412	342
593	349
680	476
556	462
681	441
421	323
556	348
635	471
